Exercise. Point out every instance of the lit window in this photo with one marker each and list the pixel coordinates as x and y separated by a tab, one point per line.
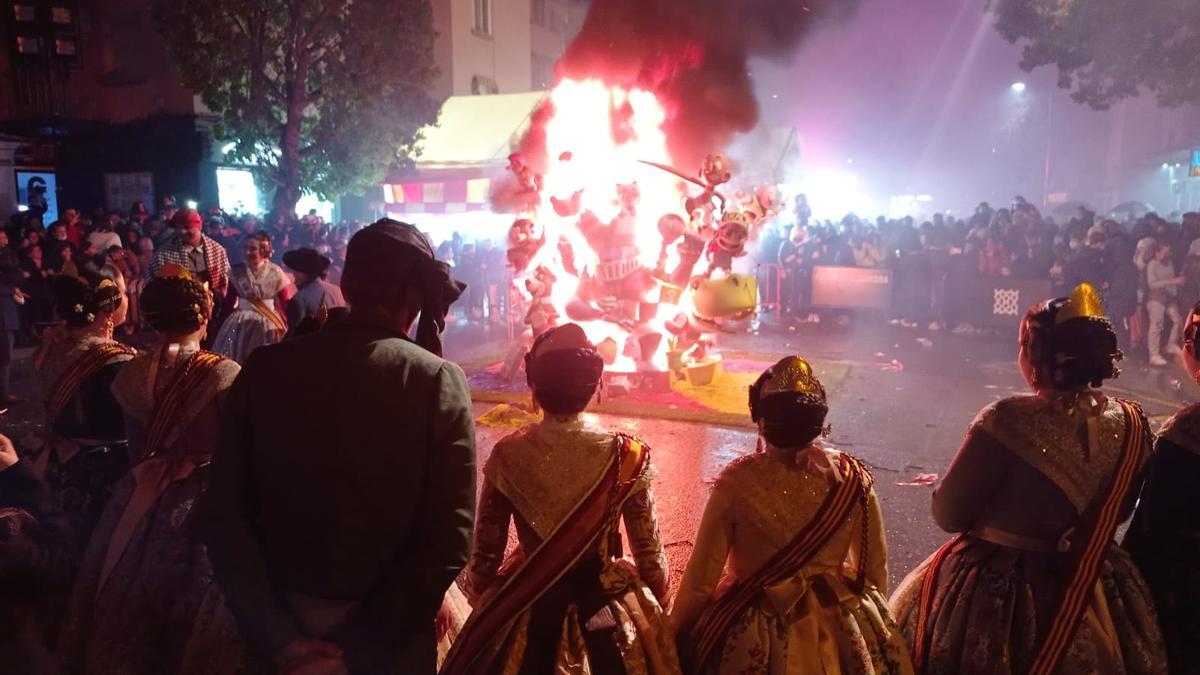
483	17
28	45
481	85
65	47
60	15
24	13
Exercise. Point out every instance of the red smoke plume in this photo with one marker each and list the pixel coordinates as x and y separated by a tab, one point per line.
693	55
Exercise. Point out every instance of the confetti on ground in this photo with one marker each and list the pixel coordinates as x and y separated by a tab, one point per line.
505	416
920	480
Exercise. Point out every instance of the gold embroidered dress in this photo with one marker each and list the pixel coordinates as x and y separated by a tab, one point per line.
82	453
1029	468
145	600
815	622
603	616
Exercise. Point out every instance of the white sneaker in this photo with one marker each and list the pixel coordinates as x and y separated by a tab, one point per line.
1157	360
935	326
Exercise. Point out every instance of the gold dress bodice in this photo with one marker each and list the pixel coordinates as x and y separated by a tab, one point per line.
1053	438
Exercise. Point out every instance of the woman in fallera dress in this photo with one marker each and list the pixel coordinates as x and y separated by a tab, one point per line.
257	320
145	601
1032	581
1164	537
566	600
789	572
82	453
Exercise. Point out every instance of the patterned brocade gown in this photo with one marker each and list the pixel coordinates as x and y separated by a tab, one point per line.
145	600
84	452
534	478
1029	467
816	622
247	328
1164	537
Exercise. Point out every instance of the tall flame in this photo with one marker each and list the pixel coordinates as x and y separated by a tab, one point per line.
605	130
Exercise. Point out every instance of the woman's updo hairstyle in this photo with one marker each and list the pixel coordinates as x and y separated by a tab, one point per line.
174	302
563	369
79	301
1070	343
788	403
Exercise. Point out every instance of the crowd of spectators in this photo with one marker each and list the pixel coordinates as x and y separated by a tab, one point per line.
127	241
1146	268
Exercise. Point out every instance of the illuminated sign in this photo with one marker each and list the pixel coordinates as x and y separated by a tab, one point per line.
856	287
1195	170
38	192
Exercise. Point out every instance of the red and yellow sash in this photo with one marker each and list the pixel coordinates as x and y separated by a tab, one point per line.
1096	529
268	313
482	638
1098	526
164	416
718	619
88	364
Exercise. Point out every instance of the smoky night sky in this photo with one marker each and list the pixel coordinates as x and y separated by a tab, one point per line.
916	92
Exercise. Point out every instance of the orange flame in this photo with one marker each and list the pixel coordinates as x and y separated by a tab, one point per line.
607	130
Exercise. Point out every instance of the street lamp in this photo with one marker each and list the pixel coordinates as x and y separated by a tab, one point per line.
1018	88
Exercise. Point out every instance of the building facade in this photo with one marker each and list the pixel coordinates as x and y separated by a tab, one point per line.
500	46
89	94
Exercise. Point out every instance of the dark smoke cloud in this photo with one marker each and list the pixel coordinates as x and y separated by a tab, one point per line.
693	54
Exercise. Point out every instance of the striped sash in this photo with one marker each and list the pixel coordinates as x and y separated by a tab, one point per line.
920	644
67	386
164	416
1097	530
481	640
268	313
718	619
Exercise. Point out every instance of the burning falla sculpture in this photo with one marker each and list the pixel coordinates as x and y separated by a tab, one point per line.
715	302
614	286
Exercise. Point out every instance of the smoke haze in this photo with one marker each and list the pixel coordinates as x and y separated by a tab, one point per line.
693	55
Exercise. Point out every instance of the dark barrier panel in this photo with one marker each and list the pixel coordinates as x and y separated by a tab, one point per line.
852	287
998	302
1002	301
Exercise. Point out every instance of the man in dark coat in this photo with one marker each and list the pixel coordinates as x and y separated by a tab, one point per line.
341	501
313	293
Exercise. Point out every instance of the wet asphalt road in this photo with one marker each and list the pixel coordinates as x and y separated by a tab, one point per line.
901	420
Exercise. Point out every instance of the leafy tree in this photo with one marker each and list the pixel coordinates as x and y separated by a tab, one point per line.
1107	50
322	96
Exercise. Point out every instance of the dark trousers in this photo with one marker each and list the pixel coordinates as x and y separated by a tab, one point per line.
6	355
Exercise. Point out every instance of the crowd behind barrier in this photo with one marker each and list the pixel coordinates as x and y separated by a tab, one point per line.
983	271
945	273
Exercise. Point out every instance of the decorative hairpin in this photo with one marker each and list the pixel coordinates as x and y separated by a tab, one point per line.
173	271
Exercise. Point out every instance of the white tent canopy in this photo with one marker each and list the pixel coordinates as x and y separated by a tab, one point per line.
477	130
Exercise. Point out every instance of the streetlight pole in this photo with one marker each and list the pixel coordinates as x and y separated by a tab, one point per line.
1049	140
